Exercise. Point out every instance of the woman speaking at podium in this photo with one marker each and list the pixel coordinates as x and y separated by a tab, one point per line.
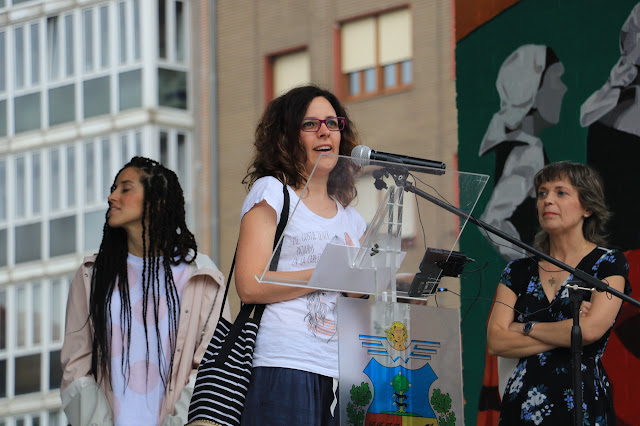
537	330
295	365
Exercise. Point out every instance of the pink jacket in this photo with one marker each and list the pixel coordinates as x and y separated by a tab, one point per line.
83	400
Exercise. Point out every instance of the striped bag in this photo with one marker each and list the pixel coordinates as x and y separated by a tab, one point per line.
225	369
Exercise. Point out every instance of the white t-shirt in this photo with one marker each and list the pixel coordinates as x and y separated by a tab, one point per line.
138	400
301	333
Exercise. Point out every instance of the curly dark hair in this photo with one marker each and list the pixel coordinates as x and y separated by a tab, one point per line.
167	237
588	183
279	152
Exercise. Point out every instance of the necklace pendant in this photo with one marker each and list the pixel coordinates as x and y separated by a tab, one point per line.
551	281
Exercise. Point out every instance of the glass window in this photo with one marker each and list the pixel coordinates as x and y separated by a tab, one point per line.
162	29
96	97
124	149
136	29
130	89
3	118
28	242
93	224
375	48
370	80
27	112
180	31
18	35
3	320
106	169
390	75
138	143
56	311
182	159
88	40
89	180
27	377
354	83
35	53
62	96
55	370
37	313
172	88
21	187
35	183
55	179
122	31
62	236
3	378
407	72
68	45
3	61
104	36
21	316
71	176
164	148
3	190
3	250
53	47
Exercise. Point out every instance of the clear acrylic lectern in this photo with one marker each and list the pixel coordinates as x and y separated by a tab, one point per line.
400	360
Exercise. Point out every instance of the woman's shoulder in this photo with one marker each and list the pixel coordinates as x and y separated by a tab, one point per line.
602	255
524	264
266	183
267	189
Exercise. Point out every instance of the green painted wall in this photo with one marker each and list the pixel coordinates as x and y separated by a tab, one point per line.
584	34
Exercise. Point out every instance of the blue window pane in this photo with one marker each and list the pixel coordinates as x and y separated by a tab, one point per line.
35	53
27	112
62	236
3	118
354	83
407	72
130	89
370	80
62	105
3	62
27	243
3	262
390	75
68	24
172	88
96	97
93	224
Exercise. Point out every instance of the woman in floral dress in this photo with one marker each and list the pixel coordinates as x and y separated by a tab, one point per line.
537	331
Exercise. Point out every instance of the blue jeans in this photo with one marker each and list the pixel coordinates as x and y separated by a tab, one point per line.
283	396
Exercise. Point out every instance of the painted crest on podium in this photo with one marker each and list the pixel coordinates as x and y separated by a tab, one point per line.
401	378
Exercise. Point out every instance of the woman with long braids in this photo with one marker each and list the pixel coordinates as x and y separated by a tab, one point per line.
141	312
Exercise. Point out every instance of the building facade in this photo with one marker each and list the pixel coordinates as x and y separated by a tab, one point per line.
390	62
84	86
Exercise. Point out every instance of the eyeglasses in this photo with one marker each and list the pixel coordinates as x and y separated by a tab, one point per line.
313	124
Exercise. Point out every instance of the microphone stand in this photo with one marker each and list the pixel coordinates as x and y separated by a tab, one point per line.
400	174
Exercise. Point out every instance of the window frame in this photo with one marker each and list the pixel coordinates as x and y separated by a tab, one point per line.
343	80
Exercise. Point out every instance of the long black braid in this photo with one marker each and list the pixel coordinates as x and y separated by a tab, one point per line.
166	240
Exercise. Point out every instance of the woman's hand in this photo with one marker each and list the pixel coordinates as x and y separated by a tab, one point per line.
584	308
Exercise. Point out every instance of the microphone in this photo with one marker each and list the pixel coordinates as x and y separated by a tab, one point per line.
362	156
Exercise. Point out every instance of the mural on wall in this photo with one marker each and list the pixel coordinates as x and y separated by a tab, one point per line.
531	90
522	49
612	114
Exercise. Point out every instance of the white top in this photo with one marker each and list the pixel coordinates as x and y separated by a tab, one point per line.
138	399
301	333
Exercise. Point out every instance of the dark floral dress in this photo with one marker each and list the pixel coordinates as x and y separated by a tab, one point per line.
540	389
